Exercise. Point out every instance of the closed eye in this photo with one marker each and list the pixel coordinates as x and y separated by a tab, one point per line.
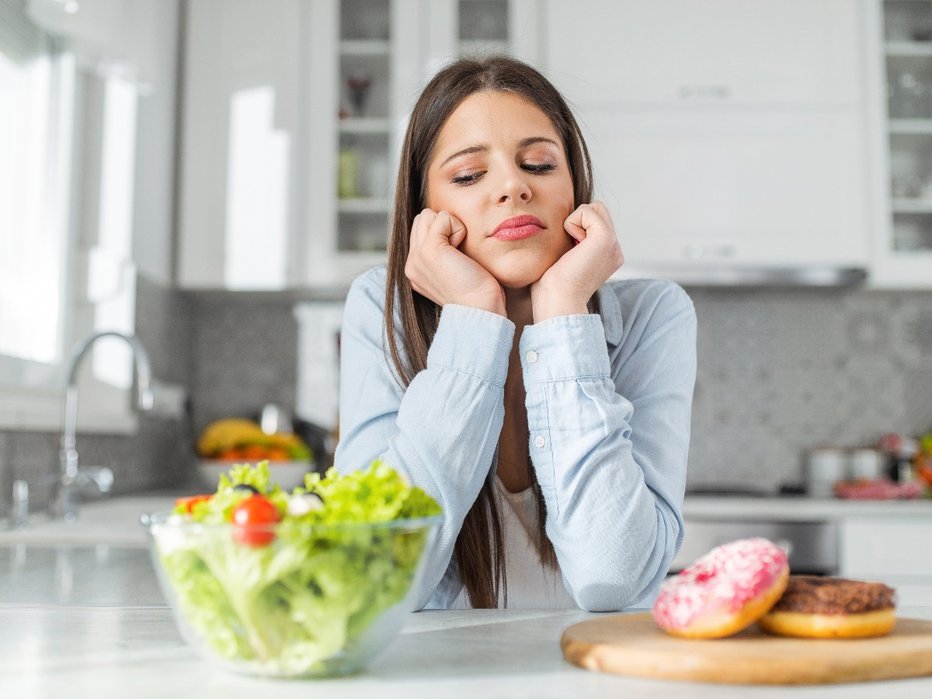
473	177
468	179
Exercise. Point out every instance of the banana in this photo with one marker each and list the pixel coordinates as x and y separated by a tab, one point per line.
227	433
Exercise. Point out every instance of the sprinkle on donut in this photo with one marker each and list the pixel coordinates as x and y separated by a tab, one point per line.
724	591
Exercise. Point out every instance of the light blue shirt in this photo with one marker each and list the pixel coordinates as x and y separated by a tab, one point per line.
608	402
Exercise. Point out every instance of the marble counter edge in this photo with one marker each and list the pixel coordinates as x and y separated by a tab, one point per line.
800	508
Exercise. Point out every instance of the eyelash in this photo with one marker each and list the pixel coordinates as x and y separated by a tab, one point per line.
537	169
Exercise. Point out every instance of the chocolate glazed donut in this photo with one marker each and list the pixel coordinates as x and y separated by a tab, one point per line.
824	607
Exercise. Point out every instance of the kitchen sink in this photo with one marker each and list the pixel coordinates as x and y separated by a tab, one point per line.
113	521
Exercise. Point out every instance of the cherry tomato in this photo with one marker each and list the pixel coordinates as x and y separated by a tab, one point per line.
187	504
253	518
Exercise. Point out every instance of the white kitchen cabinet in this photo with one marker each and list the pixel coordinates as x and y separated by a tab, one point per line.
890	550
725	134
777	189
240	126
694	52
900	85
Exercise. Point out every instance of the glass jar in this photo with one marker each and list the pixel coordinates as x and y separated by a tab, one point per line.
909	97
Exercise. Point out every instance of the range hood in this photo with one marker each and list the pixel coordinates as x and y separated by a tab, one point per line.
724	275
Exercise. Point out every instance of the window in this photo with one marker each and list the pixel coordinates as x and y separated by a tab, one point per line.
37	94
65	242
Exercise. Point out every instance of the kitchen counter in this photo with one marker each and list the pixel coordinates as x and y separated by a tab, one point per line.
800	508
116	520
130	650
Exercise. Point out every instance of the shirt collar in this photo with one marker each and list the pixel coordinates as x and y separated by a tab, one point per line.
610	310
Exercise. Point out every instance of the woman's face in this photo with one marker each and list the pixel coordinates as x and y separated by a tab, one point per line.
499	167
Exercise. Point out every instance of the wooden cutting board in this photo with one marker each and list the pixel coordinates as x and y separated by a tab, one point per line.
632	644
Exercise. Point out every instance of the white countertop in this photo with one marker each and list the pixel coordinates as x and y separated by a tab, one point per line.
801	508
136	651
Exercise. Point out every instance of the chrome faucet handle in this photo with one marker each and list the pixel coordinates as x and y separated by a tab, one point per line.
86	479
20	515
100	477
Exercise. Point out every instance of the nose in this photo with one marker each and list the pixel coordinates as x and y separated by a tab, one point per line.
514	186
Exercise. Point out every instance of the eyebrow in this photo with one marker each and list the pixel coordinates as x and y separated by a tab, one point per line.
523	143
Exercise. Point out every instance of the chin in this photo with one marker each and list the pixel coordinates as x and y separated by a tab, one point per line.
512	280
517	271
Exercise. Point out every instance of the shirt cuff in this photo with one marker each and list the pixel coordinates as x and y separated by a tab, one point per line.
564	348
472	341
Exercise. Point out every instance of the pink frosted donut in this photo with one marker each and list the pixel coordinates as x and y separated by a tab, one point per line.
723	592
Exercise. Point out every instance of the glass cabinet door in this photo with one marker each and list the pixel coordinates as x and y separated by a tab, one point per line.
907	34
482	27
364	126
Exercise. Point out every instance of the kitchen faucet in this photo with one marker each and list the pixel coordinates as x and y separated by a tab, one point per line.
72	478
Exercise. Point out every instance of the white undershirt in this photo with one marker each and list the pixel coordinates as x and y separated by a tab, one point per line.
531	585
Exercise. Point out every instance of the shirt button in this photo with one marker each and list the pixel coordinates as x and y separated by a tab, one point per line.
531	357
539	442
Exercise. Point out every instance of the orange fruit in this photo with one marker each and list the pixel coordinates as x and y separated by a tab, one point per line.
254	452
277	454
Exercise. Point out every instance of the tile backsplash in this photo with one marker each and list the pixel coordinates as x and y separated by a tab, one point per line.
780	371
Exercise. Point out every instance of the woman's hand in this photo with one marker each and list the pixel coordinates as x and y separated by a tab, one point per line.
567	286
441	272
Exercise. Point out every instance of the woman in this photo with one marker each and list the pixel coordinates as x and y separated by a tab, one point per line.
547	411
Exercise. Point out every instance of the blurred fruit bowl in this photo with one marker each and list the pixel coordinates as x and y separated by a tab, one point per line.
238	440
288	474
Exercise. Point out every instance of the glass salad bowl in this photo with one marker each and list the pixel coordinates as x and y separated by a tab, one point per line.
278	594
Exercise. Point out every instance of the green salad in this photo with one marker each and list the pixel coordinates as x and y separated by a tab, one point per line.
289	582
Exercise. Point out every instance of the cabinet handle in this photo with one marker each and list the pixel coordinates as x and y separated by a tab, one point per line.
697	251
718	92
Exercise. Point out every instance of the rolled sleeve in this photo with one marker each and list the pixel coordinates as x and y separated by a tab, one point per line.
560	349
472	341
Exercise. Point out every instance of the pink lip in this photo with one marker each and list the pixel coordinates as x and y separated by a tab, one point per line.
518	228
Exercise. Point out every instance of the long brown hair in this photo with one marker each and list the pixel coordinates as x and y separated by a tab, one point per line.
478	552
